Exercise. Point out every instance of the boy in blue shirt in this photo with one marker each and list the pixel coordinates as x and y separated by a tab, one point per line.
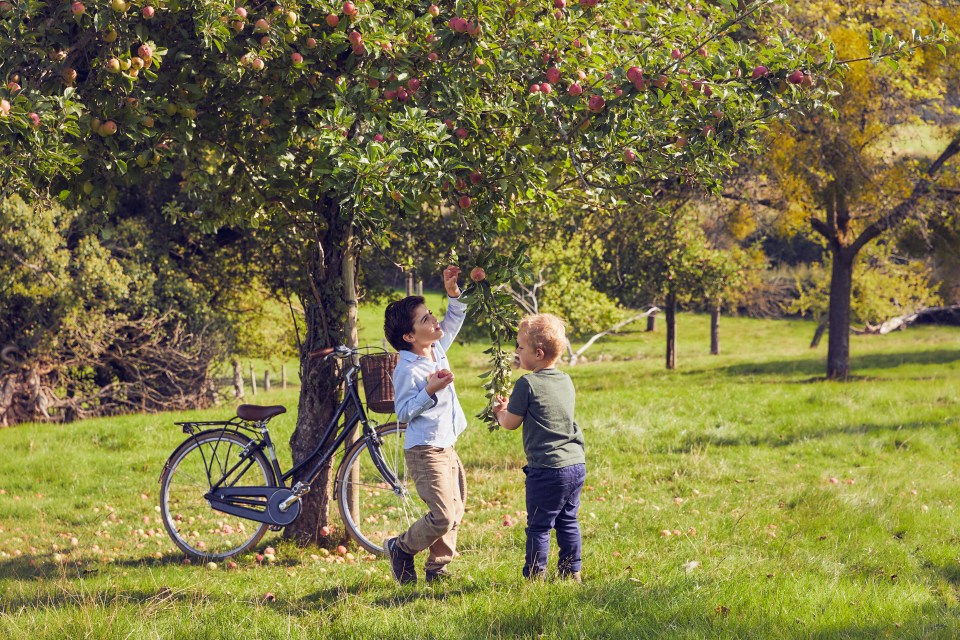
425	398
543	401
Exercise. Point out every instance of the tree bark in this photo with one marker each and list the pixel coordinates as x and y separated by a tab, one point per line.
818	334
715	331
838	339
671	315
326	312
237	380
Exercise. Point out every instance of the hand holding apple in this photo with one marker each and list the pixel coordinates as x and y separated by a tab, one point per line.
450	276
439	380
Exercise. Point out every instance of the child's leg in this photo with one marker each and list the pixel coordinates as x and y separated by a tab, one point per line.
445	548
568	528
545	498
430	468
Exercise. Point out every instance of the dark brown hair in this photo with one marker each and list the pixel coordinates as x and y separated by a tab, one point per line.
398	321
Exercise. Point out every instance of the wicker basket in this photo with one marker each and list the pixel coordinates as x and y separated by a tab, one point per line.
377	371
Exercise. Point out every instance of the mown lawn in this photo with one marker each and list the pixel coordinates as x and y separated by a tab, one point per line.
796	508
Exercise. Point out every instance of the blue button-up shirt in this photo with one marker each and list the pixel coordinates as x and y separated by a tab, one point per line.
435	420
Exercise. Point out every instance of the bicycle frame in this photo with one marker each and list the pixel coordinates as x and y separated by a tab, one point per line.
279	505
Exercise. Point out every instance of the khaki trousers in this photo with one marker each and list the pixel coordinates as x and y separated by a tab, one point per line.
442	485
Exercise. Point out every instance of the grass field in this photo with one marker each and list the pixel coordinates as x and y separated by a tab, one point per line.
797	508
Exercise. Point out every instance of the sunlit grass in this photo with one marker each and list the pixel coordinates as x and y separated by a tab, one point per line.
795	507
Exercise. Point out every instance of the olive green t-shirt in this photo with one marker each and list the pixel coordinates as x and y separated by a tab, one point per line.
551	437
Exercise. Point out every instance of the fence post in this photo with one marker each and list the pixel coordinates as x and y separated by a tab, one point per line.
283	376
266	380
253	381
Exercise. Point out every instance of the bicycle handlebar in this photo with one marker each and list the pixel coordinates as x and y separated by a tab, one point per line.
341	352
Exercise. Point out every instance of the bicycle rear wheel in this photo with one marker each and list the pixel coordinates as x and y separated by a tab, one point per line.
195	526
382	510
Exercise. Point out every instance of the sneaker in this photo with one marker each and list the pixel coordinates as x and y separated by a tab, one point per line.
401	562
573	576
438	576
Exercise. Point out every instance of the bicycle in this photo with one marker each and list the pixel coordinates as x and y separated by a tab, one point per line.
229	469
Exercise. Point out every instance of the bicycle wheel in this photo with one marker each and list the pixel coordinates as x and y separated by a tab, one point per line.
381	510
192	523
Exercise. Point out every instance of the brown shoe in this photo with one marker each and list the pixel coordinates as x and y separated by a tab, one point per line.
401	562
573	576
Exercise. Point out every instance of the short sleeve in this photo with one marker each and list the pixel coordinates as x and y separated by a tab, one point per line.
520	398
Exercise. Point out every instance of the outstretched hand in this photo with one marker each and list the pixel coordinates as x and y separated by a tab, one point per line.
450	277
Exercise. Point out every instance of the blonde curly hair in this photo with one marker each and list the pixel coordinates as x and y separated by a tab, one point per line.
546	332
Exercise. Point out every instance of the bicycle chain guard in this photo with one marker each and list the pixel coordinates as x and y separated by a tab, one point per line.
260	504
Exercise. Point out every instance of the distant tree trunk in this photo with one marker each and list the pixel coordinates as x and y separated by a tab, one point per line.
715	331
266	380
237	380
838	340
410	288
671	314
818	334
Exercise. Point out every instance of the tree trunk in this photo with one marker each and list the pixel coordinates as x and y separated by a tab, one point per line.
838	341
651	322
671	314
818	334
715	331
327	325
237	380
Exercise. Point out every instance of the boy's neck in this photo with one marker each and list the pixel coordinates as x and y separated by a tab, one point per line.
552	364
422	350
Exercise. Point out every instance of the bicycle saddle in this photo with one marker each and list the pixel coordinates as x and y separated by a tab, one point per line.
256	413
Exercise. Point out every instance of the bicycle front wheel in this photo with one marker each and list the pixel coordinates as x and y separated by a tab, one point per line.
372	507
211	457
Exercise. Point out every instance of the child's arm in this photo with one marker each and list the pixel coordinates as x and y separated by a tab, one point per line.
504	418
456	310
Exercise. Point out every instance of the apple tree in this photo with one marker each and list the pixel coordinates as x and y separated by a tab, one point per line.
326	122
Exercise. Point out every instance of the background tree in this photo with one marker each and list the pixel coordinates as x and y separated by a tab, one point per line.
844	174
323	122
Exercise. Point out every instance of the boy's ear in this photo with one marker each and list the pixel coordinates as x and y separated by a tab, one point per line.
408	337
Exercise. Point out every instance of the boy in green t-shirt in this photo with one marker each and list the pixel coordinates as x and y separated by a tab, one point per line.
543	401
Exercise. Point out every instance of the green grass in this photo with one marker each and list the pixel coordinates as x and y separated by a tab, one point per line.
736	452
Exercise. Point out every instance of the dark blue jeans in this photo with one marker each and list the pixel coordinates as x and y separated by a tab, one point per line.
553	500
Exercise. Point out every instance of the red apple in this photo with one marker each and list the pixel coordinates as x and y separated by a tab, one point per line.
477	274
242	12
342	550
534	88
759	71
355	37
596	103
377	138
707	130
629	156
553	75
465	202
108	128
633	73
77	8
545	87
432	57
311	43
702	51
796	77
148	12
396	195
680	142
575	89
433	10
476	177
443	373
675	54
261	25
296	58
461	133
34	120
349	9
413	84
324	531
